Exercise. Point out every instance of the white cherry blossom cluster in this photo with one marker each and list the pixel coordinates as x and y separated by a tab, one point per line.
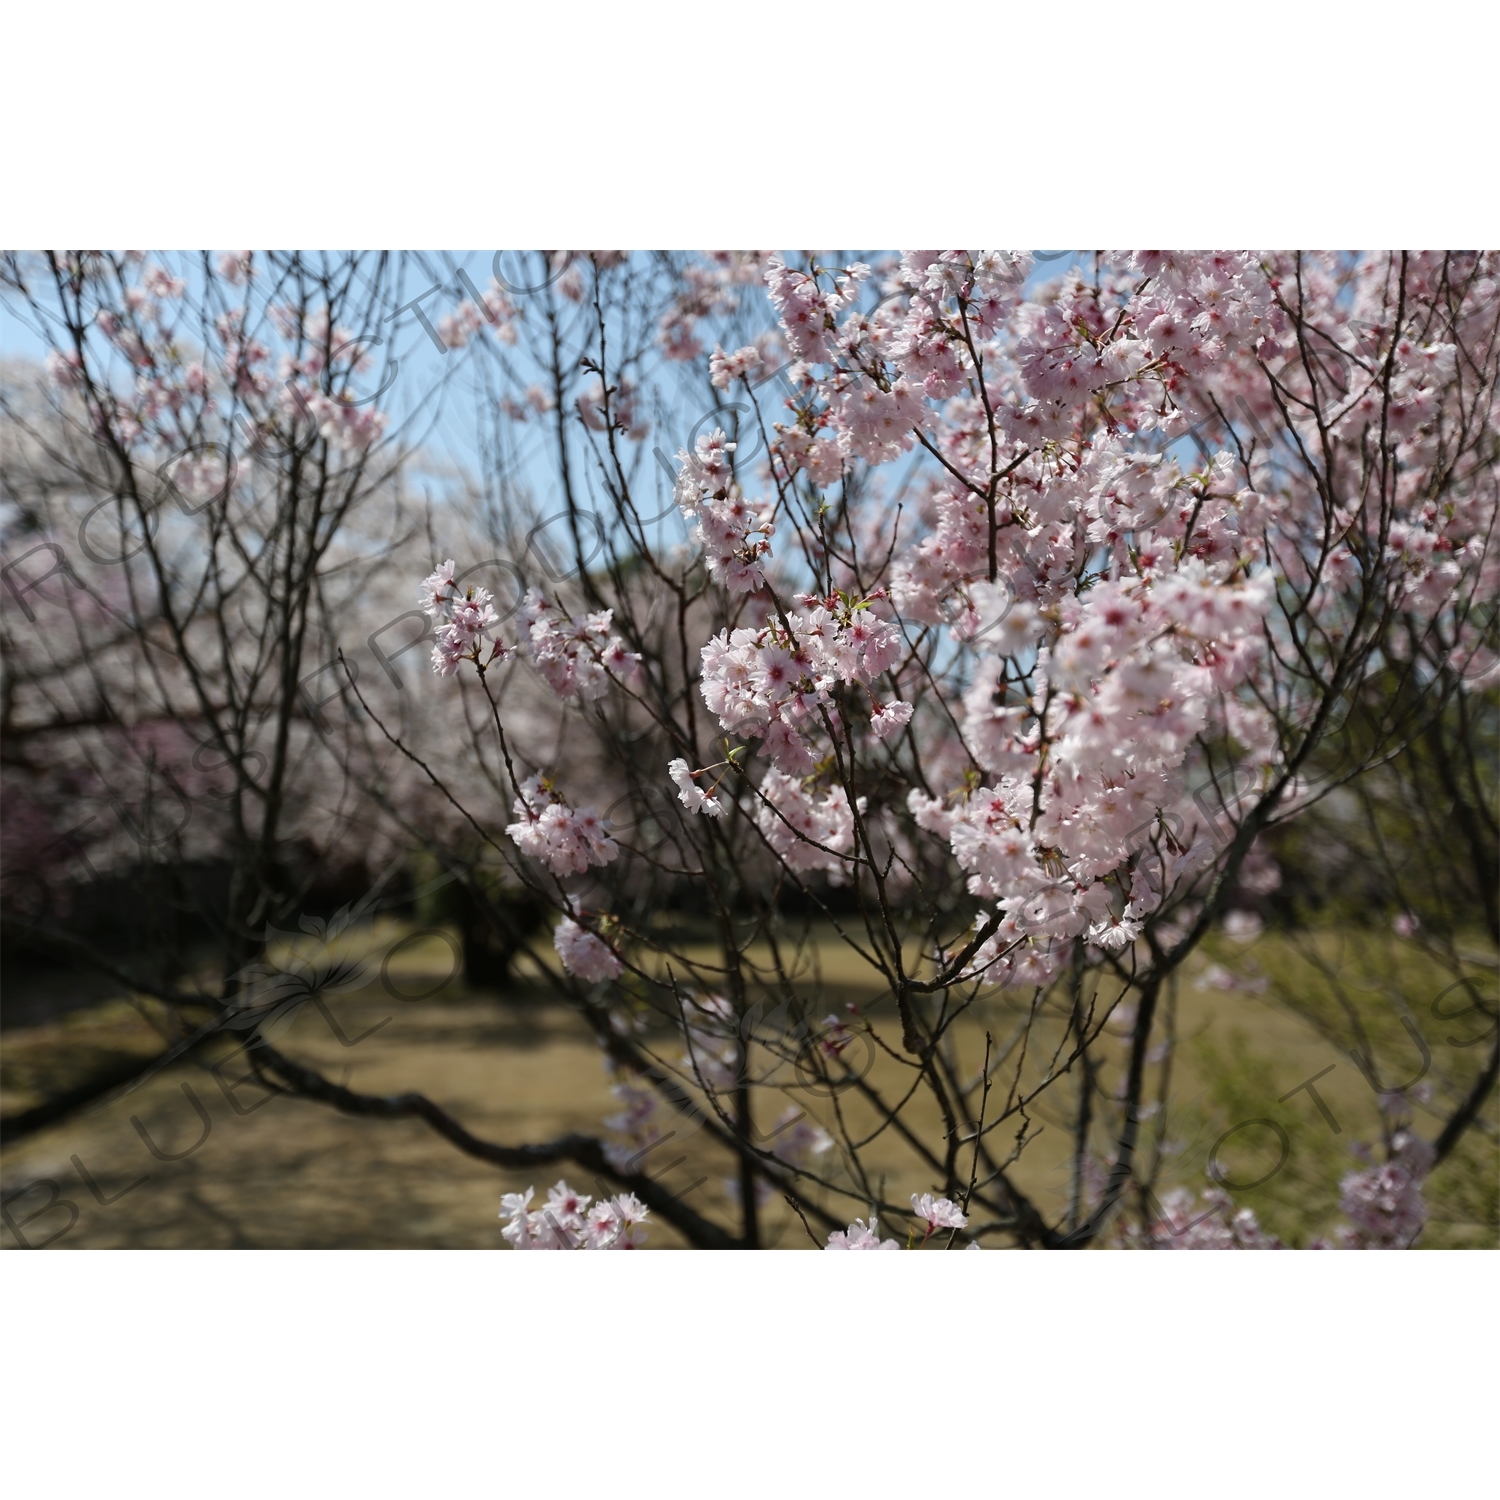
1088	759
717	284
583	954
1117	681
860	1236
806	831
494	310
809	311
937	1213
341	422
775	683
724	369
578	657
1219	1225
889	719
932	1212
1384	1203
463	618
735	536
566	839
566	1221
689	793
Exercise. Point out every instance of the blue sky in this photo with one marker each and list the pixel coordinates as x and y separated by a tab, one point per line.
454	435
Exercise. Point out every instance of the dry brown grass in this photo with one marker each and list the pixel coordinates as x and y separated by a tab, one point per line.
290	1173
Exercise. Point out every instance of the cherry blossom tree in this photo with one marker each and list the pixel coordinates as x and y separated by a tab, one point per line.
1034	624
990	631
197	503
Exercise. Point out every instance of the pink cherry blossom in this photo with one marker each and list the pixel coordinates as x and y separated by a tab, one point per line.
690	794
860	1236
937	1213
583	954
566	1222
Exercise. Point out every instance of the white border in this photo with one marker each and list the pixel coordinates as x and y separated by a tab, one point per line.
304	123
396	1373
